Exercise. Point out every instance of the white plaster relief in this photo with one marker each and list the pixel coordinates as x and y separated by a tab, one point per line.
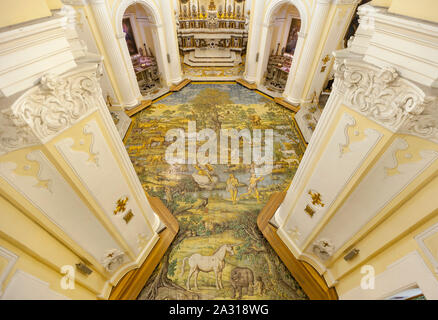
44	111
337	172
382	95
432	256
107	173
24	286
60	204
410	271
12	259
366	201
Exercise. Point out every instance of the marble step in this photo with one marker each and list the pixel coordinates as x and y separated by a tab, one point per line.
191	60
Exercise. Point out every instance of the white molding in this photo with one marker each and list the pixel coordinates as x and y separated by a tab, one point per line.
381	95
409	271
334	182
12	259
118	275
299	4
24	286
420	240
60	204
366	201
107	170
30	50
48	109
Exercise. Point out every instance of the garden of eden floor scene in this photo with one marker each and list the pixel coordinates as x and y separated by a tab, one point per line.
216	205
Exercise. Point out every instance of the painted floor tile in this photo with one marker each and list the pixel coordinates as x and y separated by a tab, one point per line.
216	204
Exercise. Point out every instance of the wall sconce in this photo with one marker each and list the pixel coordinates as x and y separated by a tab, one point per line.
351	255
82	268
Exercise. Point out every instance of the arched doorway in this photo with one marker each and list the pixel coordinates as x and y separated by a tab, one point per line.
280	48
140	41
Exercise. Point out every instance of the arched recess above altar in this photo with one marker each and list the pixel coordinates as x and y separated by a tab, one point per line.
213	33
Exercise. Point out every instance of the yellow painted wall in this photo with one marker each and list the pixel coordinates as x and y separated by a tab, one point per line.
422	207
42	246
390	235
420	9
19	11
54	4
381	3
40	254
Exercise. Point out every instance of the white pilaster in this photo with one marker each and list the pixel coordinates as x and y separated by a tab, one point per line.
254	41
128	92
293	70
159	43
325	211
316	28
172	53
342	18
266	35
286	31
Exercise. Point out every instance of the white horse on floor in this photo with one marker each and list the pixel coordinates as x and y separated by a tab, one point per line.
215	262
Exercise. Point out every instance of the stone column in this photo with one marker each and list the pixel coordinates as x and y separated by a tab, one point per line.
172	53
252	52
343	14
129	92
293	70
319	18
266	36
286	30
163	66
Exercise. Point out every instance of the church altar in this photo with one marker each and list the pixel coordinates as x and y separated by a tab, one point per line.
215	37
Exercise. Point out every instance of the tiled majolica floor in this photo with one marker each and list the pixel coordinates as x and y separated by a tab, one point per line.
200	199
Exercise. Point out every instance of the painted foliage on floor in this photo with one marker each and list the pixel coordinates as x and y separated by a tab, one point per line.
219	247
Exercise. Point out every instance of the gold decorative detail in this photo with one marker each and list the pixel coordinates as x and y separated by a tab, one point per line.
323	68
121	205
127	217
316	198
200	72
109	101
309	210
212	6
326	59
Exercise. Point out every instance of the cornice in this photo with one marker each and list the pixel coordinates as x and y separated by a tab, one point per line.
382	95
55	104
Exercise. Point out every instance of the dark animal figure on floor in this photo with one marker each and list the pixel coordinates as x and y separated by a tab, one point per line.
242	278
259	286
